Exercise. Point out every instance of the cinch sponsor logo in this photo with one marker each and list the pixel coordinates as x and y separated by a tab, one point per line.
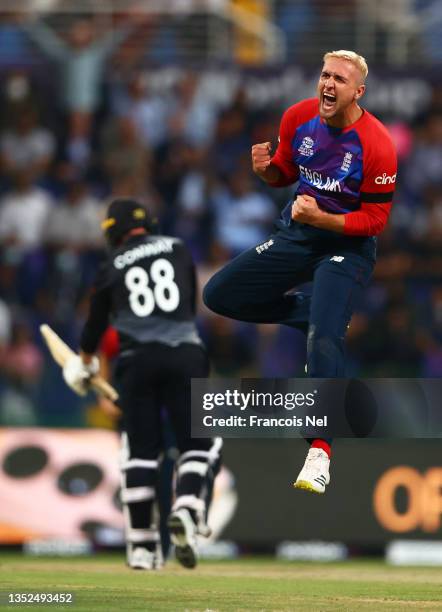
385	179
316	179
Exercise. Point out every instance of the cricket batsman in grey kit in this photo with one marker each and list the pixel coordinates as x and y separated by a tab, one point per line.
146	290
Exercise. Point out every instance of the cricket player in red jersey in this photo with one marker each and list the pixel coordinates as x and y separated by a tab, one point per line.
344	164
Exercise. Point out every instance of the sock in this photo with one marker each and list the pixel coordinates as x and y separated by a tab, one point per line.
319	443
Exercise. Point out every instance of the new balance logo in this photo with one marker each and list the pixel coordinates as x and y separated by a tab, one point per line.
337	258
264	246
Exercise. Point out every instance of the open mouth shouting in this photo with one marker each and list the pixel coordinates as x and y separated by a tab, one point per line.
328	101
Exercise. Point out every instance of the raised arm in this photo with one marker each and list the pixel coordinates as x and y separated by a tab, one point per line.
46	39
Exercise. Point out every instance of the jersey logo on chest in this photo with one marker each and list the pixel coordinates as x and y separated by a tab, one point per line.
306	147
346	162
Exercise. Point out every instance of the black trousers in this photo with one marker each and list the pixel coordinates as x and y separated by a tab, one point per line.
152	378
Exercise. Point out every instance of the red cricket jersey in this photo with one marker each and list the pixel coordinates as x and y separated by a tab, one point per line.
349	171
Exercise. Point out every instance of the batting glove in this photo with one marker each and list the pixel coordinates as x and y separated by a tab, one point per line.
77	373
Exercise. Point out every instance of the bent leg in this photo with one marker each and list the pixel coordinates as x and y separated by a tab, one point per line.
252	286
199	459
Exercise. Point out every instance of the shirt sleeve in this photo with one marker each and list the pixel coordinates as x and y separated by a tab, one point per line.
377	188
283	158
99	313
110	343
185	255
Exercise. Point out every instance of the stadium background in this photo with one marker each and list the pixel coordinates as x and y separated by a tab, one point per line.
163	103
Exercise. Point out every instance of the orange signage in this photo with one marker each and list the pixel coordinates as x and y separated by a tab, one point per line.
424	499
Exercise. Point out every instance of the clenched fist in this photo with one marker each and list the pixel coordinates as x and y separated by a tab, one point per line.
262	165
261	157
305	210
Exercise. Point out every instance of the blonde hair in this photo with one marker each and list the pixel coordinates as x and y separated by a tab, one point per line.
351	56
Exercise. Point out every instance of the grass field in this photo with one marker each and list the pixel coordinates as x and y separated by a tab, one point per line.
104	583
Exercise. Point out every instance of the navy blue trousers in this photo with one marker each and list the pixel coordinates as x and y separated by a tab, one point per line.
257	286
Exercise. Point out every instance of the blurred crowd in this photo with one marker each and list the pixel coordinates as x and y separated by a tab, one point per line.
81	124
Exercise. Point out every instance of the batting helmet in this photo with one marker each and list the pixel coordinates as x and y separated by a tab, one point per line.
124	215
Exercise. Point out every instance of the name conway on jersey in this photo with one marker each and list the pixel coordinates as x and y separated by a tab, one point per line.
348	171
146	290
129	257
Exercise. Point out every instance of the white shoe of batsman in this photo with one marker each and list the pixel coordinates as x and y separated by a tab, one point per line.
315	474
183	532
143	559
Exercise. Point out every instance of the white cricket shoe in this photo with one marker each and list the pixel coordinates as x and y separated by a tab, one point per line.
143	559
183	533
315	474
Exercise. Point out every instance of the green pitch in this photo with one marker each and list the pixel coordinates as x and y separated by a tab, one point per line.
104	583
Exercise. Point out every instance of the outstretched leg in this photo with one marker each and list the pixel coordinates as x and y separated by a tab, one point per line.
337	286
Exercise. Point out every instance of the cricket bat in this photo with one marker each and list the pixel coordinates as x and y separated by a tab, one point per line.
61	352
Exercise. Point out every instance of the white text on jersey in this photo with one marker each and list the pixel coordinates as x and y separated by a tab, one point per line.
162	245
316	179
